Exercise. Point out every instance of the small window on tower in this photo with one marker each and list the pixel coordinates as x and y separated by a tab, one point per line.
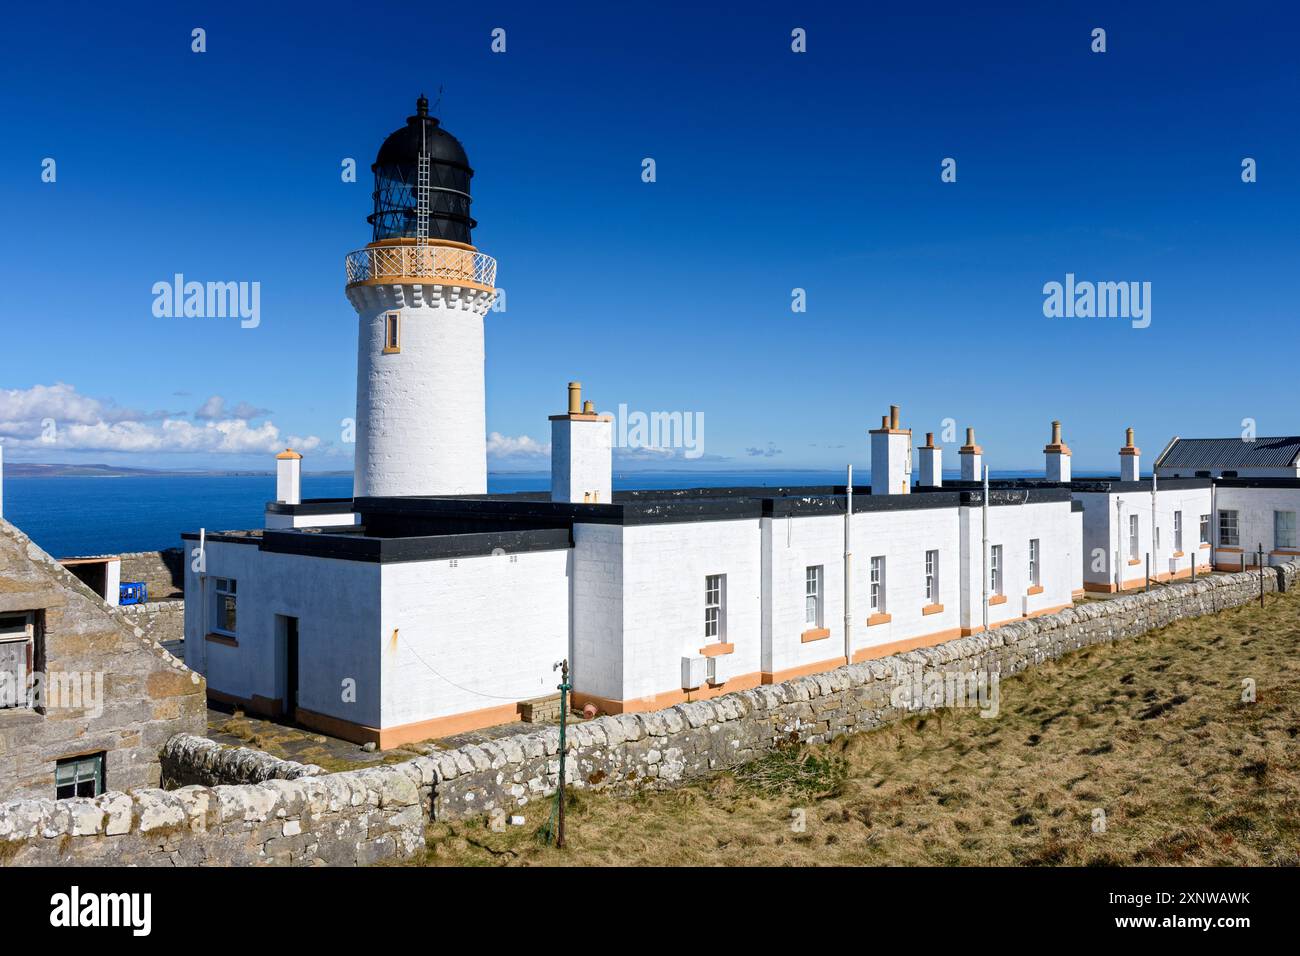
392	332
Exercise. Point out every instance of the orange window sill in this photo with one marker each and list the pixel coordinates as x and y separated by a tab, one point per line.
221	639
998	599
1230	549
815	634
1134	561
1177	554
388	351
1036	589
717	650
1205	545
1284	552
932	609
878	619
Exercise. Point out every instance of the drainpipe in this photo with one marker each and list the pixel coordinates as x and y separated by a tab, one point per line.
1119	543
848	570
1155	538
984	547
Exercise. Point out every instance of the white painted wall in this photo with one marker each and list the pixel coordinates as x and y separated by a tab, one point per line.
1012	527
1255	507
471	634
581	460
339	628
1102	535
421	420
597	610
664	570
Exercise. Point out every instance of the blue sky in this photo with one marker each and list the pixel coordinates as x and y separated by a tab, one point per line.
775	171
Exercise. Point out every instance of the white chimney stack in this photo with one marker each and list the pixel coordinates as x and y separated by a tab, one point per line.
891	453
1058	456
288	477
931	463
1128	458
582	456
972	458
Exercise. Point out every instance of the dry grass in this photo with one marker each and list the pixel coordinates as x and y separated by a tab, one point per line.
1153	731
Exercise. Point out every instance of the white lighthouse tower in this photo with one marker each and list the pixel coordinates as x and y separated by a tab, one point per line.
421	291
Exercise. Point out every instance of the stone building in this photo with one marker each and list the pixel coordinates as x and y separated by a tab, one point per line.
86	701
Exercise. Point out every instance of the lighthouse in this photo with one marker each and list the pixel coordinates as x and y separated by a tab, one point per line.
421	290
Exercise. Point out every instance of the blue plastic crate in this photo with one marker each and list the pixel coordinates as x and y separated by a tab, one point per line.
133	592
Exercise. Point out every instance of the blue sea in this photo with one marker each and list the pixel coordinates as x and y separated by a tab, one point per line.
82	516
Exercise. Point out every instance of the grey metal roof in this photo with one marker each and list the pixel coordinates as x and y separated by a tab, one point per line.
1218	453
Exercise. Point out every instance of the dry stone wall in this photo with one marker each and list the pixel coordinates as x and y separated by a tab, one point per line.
380	813
160	621
163	571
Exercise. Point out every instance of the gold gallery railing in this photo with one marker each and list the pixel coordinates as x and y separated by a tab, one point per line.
394	263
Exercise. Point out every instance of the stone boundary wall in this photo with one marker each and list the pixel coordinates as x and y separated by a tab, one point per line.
363	816
160	620
187	760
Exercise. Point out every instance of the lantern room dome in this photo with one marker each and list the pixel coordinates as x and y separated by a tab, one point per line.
397	182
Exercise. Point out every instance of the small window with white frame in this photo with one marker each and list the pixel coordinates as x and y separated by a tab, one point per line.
715	608
1178	531
1284	529
392	332
79	777
812	605
995	569
1229	530
17	660
1133	542
1205	529
224	593
1034	571
932	577
878	584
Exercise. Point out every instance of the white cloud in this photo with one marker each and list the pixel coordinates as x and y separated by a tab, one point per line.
508	446
215	408
56	418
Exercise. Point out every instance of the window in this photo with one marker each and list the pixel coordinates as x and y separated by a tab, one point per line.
1229	532
392	332
715	624
878	585
1284	529
1033	562
225	605
932	577
79	777
1178	531
995	569
1205	529
812	606
1133	537
17	648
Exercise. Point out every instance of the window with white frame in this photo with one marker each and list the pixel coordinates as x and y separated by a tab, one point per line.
1133	543
878	585
812	605
1205	529
79	777
1178	531
1033	562
715	596
224	605
995	569
932	577
1229	529
17	657
1284	529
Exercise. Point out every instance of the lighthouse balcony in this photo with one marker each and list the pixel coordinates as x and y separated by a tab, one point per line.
407	263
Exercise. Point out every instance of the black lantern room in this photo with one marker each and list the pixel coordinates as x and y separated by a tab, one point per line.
398	182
